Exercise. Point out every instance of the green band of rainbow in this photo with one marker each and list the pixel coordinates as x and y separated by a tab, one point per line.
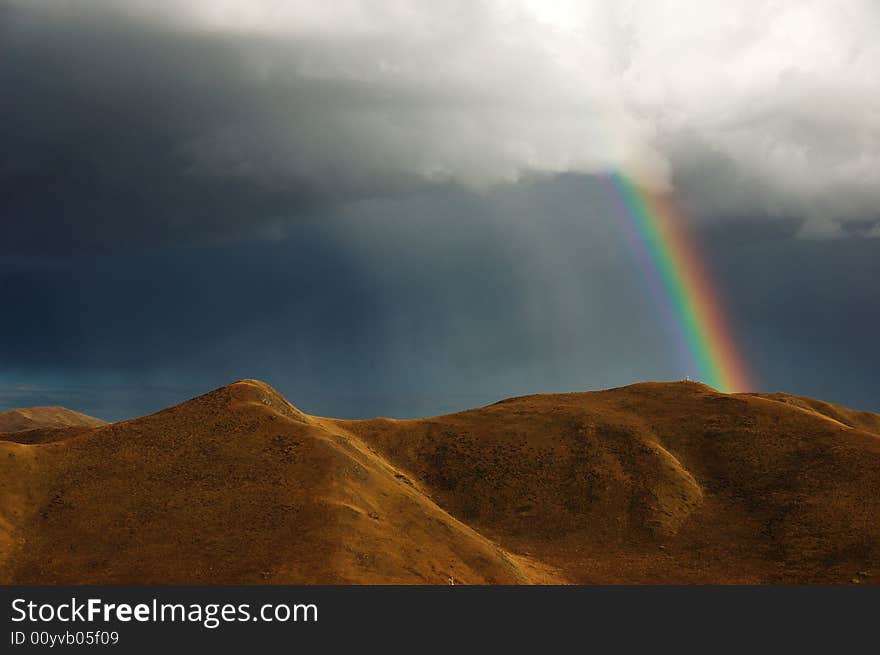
687	286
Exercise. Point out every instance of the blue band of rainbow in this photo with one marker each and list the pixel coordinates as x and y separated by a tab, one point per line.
674	270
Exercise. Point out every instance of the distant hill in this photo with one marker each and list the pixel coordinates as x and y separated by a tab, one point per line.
28	418
650	483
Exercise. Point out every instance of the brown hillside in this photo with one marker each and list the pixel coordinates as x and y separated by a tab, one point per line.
867	421
236	486
670	482
28	418
655	482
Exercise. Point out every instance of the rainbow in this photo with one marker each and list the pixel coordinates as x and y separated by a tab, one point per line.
682	286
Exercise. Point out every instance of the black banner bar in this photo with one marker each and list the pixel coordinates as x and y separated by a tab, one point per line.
133	619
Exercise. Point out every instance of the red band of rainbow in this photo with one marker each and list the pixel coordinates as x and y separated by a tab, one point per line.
683	280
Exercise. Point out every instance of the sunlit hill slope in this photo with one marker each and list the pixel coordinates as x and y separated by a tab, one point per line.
650	483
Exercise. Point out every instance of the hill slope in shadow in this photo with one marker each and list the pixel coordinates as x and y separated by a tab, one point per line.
650	483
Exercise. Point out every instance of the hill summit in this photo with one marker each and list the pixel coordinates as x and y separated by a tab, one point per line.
649	483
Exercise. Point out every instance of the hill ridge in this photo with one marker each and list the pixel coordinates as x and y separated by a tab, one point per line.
44	416
652	482
853	418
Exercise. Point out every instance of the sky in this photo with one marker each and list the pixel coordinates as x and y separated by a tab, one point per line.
402	208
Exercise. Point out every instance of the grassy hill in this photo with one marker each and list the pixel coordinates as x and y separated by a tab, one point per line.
650	483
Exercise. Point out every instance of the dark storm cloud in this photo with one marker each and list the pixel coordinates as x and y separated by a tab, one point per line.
132	124
427	304
806	314
95	133
123	132
393	208
414	306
